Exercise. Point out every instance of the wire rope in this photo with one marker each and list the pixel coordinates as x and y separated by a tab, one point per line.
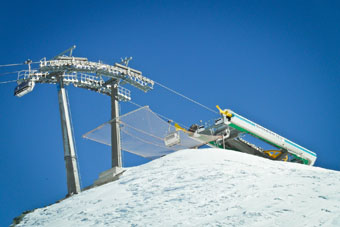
159	115
183	96
17	64
6	82
7	73
12	65
164	117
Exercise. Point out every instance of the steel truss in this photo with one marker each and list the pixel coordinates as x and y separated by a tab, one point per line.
95	76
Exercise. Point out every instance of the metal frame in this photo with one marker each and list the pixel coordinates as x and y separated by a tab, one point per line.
95	76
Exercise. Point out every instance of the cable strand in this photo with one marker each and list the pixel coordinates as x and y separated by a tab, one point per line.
7	73
8	65
164	117
9	81
183	96
159	115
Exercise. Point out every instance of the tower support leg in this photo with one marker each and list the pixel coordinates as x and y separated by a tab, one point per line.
115	130
73	184
116	155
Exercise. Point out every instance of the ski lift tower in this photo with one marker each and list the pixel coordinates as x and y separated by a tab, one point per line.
64	70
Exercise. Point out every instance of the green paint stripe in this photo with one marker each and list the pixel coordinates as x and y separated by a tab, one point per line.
287	141
215	144
244	130
275	145
301	148
243	119
305	161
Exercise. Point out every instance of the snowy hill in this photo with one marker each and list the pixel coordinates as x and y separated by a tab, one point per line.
205	187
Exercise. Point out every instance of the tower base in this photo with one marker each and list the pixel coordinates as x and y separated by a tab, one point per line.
109	176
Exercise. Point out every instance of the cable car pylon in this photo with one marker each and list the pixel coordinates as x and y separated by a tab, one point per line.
72	173
64	70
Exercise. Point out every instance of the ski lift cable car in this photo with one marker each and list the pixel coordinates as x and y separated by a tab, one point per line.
24	88
172	138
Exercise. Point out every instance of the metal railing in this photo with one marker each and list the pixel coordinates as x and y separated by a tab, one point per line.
81	80
117	71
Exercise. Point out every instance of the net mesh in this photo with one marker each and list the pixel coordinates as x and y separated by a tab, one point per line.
143	133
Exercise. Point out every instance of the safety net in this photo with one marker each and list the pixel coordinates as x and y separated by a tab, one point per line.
146	134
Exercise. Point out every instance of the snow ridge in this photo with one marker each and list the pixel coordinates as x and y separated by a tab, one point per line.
204	187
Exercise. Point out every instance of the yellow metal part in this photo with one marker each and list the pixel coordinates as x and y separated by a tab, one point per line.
285	158
178	128
224	112
273	153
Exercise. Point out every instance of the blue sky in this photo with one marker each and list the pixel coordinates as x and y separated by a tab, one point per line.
276	63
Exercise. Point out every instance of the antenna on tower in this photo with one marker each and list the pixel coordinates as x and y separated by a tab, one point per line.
125	61
70	50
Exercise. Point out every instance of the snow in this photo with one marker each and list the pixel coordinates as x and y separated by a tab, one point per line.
205	187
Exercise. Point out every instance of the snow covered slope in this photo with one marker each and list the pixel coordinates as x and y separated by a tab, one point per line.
206	187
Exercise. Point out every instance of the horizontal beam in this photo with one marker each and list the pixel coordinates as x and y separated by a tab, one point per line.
89	82
119	72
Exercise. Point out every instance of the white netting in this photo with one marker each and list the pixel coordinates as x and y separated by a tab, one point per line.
143	133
